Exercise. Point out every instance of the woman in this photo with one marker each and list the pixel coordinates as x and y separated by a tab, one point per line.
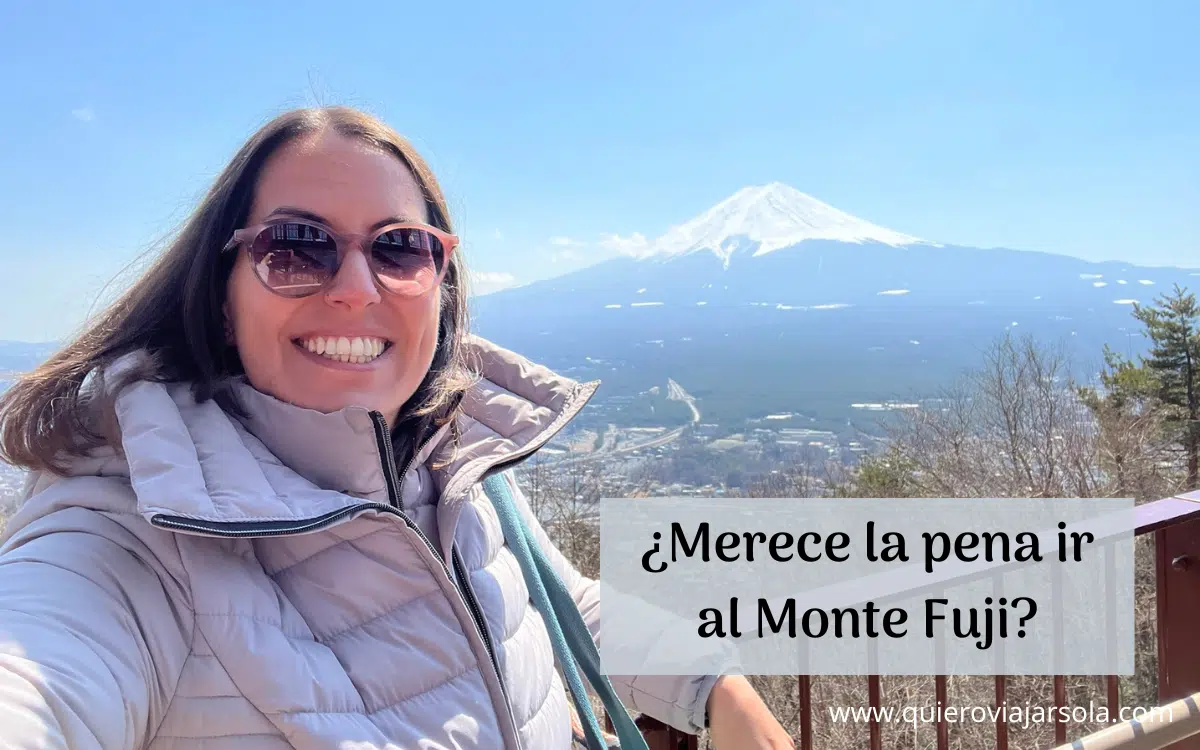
254	517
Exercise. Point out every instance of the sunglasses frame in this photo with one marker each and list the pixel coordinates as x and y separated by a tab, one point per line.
343	241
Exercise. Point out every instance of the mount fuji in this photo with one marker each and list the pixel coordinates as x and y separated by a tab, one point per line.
768	218
774	302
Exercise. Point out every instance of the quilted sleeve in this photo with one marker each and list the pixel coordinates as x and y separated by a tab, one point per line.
93	635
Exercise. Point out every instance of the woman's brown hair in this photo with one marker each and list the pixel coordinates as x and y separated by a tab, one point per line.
173	314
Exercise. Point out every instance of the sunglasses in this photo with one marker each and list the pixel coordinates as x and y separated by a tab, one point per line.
297	257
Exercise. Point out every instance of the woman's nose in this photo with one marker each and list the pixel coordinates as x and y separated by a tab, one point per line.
354	285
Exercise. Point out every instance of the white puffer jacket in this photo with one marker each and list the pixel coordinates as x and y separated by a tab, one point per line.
274	581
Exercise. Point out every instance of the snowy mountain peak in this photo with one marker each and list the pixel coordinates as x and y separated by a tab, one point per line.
768	218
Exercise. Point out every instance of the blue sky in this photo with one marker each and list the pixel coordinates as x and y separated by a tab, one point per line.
1062	126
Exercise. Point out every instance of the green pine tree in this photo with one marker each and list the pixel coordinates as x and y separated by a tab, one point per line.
1125	410
888	475
1169	374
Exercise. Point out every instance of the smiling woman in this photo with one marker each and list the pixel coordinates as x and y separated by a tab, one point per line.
255	515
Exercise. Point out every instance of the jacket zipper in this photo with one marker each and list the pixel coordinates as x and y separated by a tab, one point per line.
477	614
262	528
389	469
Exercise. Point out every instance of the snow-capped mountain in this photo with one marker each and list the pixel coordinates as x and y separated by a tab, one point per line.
773	301
764	218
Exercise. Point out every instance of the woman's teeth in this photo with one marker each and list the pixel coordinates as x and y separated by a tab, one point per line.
357	350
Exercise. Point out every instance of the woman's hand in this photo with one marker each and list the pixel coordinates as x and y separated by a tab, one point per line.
738	718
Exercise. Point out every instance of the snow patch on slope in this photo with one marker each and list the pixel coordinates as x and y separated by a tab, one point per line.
768	218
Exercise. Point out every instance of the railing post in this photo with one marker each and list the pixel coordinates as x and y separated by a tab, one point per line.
1177	562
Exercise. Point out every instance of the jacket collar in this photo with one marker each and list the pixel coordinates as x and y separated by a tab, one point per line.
283	464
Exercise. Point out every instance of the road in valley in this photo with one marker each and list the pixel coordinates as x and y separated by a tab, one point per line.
608	446
675	392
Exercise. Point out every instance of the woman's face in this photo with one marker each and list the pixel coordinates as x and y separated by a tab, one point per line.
351	187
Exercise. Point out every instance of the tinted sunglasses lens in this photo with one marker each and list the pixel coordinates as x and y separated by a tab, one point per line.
294	258
408	260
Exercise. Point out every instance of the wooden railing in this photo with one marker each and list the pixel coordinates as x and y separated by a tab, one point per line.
1176	724
1175	524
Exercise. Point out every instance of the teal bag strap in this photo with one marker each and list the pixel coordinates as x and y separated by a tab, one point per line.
569	635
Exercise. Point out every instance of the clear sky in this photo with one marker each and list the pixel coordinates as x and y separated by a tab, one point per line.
560	129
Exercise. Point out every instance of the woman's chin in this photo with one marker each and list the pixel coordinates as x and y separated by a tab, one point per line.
319	384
